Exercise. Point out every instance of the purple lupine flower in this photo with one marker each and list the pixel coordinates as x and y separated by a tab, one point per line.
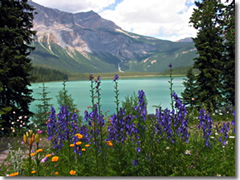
91	77
95	120
51	124
206	125
134	162
61	127
164	124
170	65
142	110
180	119
121	126
116	77
98	82
220	139
138	149
224	130
233	121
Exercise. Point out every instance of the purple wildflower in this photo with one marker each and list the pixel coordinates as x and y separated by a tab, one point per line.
233	121
206	125
180	120
116	77
91	77
44	160
61	127
134	162
164	124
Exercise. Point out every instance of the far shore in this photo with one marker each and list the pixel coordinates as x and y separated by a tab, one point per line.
108	76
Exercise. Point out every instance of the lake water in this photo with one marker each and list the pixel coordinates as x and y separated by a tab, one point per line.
156	90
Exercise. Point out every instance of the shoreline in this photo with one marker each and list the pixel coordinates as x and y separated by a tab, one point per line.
108	77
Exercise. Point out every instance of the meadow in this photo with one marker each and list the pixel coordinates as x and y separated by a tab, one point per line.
171	142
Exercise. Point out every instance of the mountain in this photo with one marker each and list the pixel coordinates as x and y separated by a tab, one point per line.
84	42
185	40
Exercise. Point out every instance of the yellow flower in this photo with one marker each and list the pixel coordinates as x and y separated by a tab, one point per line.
32	154
48	155
83	149
14	174
56	173
78	143
39	150
72	172
55	158
87	145
33	172
71	145
80	136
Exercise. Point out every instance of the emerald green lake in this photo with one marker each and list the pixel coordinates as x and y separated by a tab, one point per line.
156	90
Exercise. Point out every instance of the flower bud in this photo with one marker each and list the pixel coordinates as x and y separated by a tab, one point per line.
25	138
37	138
33	137
30	142
30	131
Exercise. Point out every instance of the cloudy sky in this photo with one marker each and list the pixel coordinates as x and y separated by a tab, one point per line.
164	19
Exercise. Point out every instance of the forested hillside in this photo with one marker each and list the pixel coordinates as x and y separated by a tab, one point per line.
42	74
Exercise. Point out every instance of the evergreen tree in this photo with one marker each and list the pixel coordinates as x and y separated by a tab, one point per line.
227	23
16	35
210	44
66	99
189	93
41	117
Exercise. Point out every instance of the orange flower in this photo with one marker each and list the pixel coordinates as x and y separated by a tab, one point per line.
48	155
55	158
80	136
71	145
33	172
72	172
14	174
87	145
109	143
56	173
39	150
78	143
32	154
83	149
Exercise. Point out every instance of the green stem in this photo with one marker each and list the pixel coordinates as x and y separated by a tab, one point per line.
116	96
37	161
29	161
172	118
92	95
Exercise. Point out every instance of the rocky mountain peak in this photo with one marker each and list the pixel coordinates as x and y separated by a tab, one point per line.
86	37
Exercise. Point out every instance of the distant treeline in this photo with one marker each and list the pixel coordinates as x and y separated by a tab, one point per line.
182	70
85	76
42	74
178	71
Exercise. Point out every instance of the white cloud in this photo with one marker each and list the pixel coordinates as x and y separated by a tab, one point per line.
163	19
76	5
159	18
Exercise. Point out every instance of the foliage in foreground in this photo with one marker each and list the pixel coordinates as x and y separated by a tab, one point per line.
134	144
